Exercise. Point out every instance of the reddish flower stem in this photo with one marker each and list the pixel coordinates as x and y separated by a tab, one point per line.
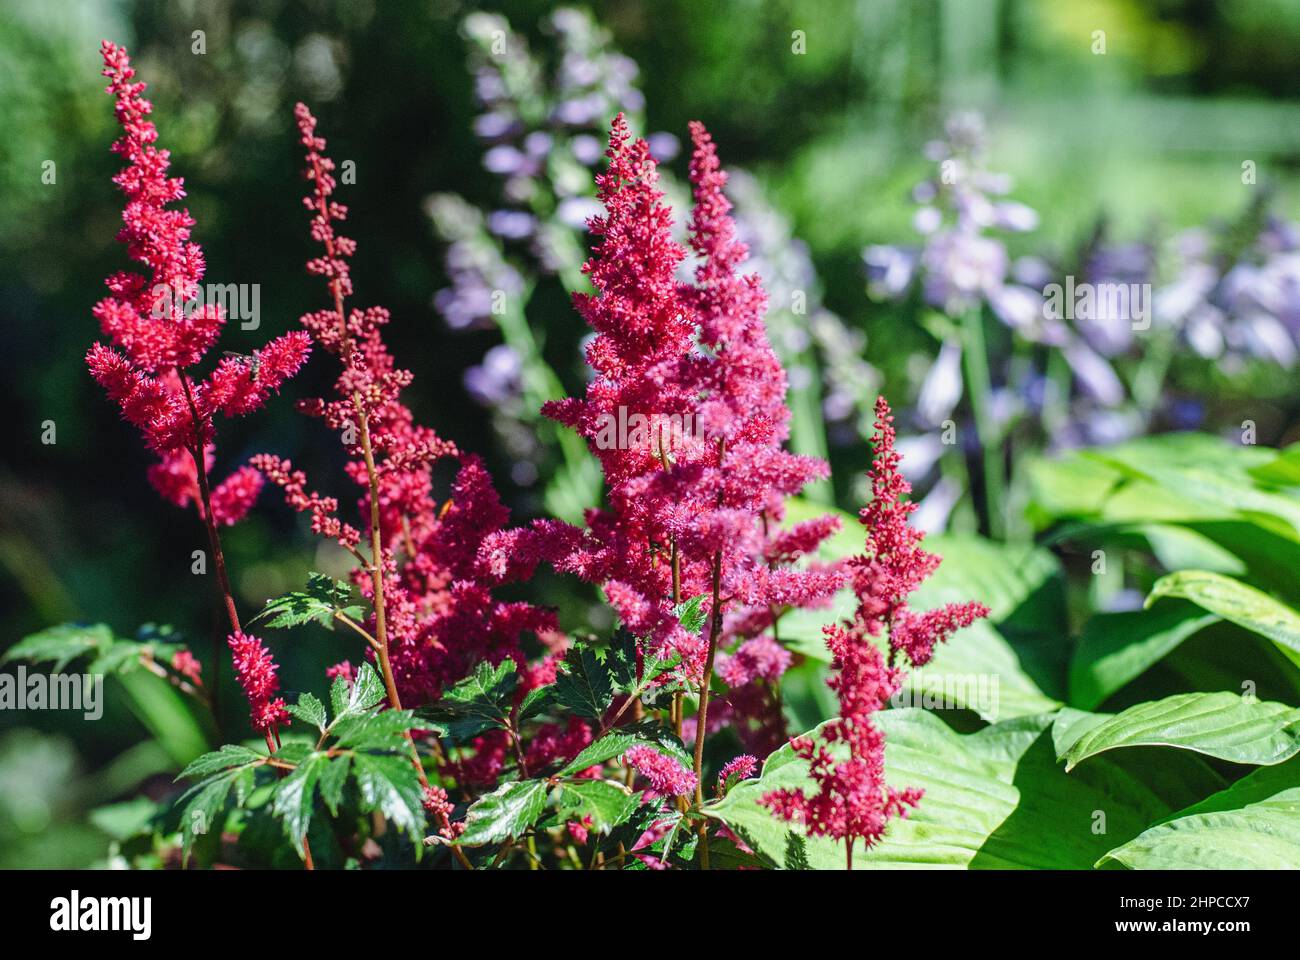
219	561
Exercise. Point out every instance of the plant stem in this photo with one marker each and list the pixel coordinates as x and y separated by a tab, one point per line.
219	559
979	388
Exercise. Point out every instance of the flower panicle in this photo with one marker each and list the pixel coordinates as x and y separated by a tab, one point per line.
160	326
851	801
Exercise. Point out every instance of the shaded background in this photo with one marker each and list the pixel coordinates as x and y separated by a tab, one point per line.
1153	133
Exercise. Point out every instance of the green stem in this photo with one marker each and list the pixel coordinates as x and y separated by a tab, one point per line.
975	360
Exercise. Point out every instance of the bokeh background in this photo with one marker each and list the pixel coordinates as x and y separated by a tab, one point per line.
1148	137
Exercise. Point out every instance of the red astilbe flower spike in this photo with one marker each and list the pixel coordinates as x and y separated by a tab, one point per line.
255	670
665	775
159	327
852	801
697	352
895	564
440	615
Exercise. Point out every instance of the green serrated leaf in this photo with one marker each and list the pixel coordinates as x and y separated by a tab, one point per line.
202	805
621	663
310	710
229	755
385	730
606	803
606	748
340	692
332	779
389	784
482	701
294	796
691	615
320	602
585	686
504	813
367	690
536	700
60	645
294	750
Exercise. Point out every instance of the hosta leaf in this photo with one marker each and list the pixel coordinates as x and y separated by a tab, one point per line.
1233	600
1261	835
310	710
505	812
389	784
320	602
1282	471
996	798
585	685
229	755
1115	648
60	645
607	803
1181	548
294	798
1222	725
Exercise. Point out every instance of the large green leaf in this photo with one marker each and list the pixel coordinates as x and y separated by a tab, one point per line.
1115	648
1235	601
1222	725
996	798
1261	835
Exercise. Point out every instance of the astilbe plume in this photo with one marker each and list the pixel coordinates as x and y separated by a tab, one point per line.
686	514
439	616
159	328
852	801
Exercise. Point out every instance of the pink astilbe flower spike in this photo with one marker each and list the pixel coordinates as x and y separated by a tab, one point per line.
734	770
159	327
440	615
852	801
255	672
666	776
697	352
